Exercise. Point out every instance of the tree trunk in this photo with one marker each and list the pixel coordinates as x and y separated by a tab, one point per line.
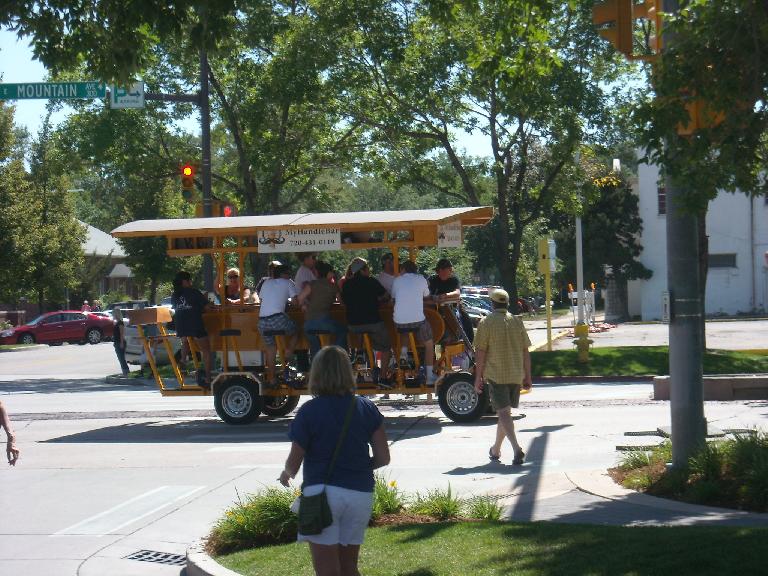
703	270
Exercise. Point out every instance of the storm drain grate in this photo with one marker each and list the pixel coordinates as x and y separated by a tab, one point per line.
158	557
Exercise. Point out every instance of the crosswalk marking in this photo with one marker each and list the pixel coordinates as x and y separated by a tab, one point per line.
130	511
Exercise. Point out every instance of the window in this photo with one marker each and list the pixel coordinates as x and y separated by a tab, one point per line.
722	260
661	195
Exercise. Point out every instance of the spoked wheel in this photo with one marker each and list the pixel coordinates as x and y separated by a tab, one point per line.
26	339
458	399
279	405
93	336
237	401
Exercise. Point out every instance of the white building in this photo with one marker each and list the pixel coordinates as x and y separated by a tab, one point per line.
737	227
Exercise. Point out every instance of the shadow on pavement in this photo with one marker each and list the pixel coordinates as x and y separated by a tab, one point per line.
212	430
72	385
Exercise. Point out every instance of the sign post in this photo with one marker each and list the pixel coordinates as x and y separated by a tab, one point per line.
546	265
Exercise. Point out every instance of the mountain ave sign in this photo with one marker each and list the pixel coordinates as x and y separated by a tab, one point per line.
52	90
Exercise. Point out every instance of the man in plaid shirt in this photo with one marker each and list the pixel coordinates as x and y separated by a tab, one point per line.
502	359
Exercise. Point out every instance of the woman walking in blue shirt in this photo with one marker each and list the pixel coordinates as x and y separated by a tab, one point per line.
314	434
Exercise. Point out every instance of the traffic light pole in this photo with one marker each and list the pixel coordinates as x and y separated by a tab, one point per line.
205	173
689	427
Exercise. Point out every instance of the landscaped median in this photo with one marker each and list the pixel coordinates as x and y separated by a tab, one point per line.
437	534
614	361
732	473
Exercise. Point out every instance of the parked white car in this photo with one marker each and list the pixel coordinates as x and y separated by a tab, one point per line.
134	347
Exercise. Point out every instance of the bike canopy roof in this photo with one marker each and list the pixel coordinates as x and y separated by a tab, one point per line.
311	232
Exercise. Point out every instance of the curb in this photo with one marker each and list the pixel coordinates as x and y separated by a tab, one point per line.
539	347
200	564
600	484
27	347
597	379
129	381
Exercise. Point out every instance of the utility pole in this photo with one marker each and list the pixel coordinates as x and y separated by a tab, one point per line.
205	133
689	427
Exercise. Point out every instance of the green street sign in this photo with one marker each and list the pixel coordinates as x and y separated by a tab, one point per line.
52	90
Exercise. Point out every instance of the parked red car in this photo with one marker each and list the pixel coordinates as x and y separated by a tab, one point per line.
62	326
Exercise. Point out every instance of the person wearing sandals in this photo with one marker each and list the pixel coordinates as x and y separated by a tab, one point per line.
503	361
331	435
189	304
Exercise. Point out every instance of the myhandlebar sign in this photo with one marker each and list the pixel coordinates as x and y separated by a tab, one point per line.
449	235
309	240
53	90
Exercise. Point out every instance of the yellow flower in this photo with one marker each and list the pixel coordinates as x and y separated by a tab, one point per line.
393	484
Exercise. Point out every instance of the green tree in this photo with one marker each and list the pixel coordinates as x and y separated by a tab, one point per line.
515	70
136	160
17	235
611	226
57	248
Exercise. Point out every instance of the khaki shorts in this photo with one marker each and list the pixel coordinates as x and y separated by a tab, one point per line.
380	340
423	332
504	395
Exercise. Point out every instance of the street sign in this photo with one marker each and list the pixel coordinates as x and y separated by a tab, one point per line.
52	90
132	97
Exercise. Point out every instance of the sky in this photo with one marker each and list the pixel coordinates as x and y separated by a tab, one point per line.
17	66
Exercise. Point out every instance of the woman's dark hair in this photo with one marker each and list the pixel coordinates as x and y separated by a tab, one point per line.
181	275
322	269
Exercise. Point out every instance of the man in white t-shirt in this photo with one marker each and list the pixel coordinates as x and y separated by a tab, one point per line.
409	290
306	272
387	275
275	294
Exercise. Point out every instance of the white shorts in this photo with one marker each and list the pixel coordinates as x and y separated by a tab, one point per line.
351	511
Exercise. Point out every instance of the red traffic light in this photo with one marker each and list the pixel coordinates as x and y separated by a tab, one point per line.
228	210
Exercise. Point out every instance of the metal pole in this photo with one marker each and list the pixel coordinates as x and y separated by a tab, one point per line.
205	172
579	262
689	427
579	274
548	306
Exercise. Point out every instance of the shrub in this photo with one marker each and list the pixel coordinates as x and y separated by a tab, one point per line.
634	459
387	499
263	519
440	504
483	508
707	463
755	487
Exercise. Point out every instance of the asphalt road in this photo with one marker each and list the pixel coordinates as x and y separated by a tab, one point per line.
107	470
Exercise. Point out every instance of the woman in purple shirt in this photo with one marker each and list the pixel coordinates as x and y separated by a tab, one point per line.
314	434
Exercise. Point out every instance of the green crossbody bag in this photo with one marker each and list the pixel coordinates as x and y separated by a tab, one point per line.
314	512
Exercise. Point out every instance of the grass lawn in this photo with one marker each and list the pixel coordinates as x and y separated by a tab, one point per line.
639	361
14	346
537	549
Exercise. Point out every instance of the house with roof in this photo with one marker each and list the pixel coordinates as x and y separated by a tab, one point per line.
737	228
107	259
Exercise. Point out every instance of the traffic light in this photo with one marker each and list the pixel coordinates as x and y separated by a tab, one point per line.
188	182
613	19
219	208
650	10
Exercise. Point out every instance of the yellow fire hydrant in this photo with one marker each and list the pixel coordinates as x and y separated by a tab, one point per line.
582	342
